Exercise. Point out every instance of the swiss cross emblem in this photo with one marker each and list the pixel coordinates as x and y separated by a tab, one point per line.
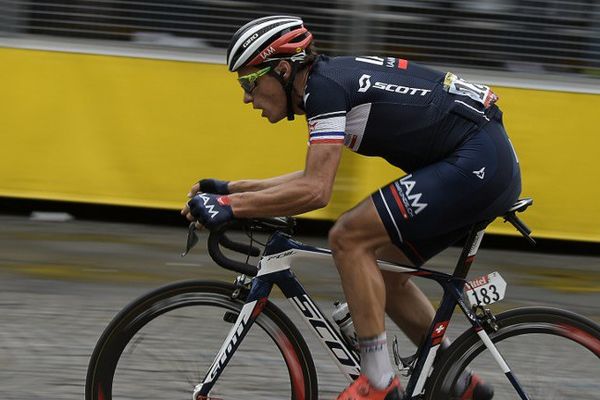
439	329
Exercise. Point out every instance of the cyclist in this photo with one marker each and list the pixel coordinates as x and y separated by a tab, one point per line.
446	133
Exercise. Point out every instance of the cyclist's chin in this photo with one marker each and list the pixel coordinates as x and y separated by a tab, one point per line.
273	118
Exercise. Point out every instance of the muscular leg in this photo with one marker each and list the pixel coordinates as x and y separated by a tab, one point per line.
357	239
405	303
353	240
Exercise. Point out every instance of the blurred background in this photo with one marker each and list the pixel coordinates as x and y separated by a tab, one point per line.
512	35
128	102
111	110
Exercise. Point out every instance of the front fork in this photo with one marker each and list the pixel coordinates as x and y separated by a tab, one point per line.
255	302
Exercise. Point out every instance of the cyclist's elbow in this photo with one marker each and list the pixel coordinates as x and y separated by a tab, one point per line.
320	197
320	203
316	193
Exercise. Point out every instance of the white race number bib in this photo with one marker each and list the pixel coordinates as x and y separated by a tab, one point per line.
481	93
485	290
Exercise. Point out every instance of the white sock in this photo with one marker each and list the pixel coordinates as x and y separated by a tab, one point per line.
375	361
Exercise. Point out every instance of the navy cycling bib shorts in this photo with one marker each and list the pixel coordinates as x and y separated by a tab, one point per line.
432	208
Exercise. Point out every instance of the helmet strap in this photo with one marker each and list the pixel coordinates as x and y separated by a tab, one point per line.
288	87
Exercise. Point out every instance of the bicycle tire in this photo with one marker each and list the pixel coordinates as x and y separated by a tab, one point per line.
550	332
125	331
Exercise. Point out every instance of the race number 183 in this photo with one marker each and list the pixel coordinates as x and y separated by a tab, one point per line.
486	289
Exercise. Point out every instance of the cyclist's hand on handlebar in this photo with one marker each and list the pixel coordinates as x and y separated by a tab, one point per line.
208	209
209	185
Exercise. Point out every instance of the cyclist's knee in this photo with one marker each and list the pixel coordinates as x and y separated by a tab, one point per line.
340	235
346	235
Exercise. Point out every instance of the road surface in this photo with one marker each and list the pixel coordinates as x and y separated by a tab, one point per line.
62	282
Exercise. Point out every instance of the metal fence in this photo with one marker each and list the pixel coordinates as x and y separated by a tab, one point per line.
538	36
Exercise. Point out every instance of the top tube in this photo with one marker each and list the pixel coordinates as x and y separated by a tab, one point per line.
281	241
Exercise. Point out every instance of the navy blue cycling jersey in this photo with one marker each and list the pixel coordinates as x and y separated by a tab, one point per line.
445	132
406	113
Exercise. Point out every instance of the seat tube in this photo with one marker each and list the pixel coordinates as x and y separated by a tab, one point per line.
470	249
427	352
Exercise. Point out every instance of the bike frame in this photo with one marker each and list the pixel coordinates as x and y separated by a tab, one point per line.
275	269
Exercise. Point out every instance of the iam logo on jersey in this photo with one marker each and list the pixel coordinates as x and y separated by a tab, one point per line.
364	83
412	200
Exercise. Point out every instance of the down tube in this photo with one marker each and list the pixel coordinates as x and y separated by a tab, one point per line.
346	359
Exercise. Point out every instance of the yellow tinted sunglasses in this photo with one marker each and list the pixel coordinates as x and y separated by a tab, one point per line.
248	82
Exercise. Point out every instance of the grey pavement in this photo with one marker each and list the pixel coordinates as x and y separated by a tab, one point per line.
62	282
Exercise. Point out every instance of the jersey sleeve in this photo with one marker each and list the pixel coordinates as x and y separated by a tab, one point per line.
325	102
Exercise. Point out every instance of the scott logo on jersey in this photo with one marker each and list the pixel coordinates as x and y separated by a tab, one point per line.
364	84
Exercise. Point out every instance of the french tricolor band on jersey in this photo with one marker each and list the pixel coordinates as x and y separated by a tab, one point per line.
326	137
327	128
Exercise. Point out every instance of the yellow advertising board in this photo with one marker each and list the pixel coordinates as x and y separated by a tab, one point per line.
131	131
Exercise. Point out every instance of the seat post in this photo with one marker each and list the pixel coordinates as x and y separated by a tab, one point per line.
470	249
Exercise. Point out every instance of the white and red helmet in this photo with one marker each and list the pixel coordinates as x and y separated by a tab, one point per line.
278	37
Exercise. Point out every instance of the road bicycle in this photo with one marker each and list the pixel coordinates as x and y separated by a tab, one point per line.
216	340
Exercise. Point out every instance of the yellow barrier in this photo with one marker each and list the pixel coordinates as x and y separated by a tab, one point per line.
128	131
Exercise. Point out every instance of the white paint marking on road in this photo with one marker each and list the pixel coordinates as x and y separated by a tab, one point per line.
103	270
178	264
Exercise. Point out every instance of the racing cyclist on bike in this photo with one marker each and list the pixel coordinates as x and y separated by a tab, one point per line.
446	133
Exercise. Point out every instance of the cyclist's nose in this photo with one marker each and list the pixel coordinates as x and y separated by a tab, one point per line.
247	98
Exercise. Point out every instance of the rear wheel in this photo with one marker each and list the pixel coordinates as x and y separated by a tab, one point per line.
554	354
161	346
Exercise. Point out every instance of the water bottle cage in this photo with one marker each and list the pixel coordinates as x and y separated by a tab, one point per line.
405	365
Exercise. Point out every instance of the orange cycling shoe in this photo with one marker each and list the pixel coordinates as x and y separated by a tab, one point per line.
473	387
361	389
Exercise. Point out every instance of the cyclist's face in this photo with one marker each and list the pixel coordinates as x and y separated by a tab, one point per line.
265	94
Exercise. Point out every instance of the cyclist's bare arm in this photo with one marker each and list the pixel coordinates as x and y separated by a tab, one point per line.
250	185
254	185
308	191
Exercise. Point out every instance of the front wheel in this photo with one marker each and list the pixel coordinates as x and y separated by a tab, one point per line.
161	345
554	354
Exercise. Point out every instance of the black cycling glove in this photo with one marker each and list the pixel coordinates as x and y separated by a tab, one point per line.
210	209
215	186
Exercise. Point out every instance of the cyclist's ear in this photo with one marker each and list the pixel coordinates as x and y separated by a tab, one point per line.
283	69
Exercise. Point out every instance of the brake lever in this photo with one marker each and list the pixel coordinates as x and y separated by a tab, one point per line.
192	239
